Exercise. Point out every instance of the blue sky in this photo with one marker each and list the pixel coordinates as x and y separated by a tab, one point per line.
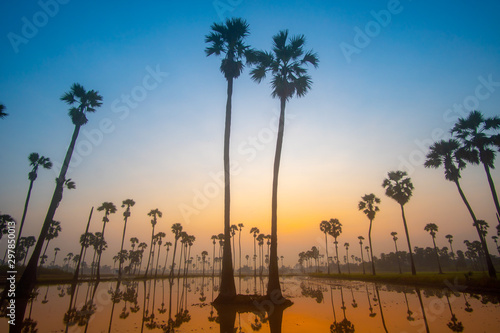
361	119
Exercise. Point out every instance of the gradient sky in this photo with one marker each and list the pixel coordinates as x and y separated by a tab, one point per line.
371	111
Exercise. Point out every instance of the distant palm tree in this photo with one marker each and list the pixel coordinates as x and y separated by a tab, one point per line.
234	228
395	238
432	228
159	240
361	238
346	245
155	214
286	64
335	231
228	39
54	229
125	203
167	245
450	240
177	231
495	239
108	208
240	228
214	241
367	248
204	255
255	231
87	101
141	247
133	241
398	186
3	114
55	255
26	243
324	226
368	205
35	161
478	146
447	154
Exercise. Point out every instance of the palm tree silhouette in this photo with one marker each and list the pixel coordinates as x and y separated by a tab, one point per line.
286	64
214	241
335	231
3	114
87	101
177	231
395	239
447	154
155	214
125	203
495	239
228	39
54	229
399	187
240	228
361	238
324	226
167	245
234	228
108	208
368	205
450	240
35	161
477	145
159	240
346	245
55	255
255	231
432	228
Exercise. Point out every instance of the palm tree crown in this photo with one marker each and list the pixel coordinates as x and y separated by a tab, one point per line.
3	114
447	154
398	186
88	102
368	205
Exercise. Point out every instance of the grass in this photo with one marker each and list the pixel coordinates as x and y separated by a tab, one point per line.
460	281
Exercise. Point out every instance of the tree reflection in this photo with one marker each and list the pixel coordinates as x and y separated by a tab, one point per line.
345	326
314	293
422	308
372	314
454	324
408	311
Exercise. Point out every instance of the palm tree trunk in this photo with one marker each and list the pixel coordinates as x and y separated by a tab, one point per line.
273	286
150	251
45	250
423	309
101	248
371	248
227	287
254	258
326	247
28	279
165	266
173	258
362	260
492	188
337	253
491	269
24	214
397	257
437	255
121	248
413	270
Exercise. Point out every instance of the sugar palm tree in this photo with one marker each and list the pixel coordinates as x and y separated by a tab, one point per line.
234	228
495	239
240	228
56	250
479	146
155	214
87	101
159	240
204	255
54	229
214	242
108	208
255	231
335	231
346	245
3	114
368	205
447	154
324	226
450	240
398	186
177	231
167	245
35	162
286	64
432	229
228	39
395	239
361	239
125	203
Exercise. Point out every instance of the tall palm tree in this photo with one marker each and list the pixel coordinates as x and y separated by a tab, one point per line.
55	255
240	228
54	229
204	255
108	208
3	114
177	231
450	240
214	241
324	226
447	154
478	145
35	161
495	239
133	241
28	242
234	228
255	231
346	245
125	203
155	214
87	101
286	65
228	39
335	231
159	239
368	205
395	239
432	229
398	186
167	245
361	239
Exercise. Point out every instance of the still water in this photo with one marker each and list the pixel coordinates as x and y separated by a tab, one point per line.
184	305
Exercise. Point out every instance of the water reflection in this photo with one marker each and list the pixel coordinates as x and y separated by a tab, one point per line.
184	304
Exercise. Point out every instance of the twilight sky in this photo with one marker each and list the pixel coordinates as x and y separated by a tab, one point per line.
393	78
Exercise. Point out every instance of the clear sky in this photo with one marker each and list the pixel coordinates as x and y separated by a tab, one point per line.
393	77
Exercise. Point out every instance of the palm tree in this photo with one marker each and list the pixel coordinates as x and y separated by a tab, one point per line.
450	240
335	231
240	228
495	239
346	245
133	241
26	243
255	231
3	114
87	101
432	228
141	247
361	238
155	213
286	65
53	232
395	238
125	203
167	245
398	186
55	255
228	39
324	226
35	161
108	208
177	231
477	145
447	154
159	240
214	241
234	228
204	255
368	205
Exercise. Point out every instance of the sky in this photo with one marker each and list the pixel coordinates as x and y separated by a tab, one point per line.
393	78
